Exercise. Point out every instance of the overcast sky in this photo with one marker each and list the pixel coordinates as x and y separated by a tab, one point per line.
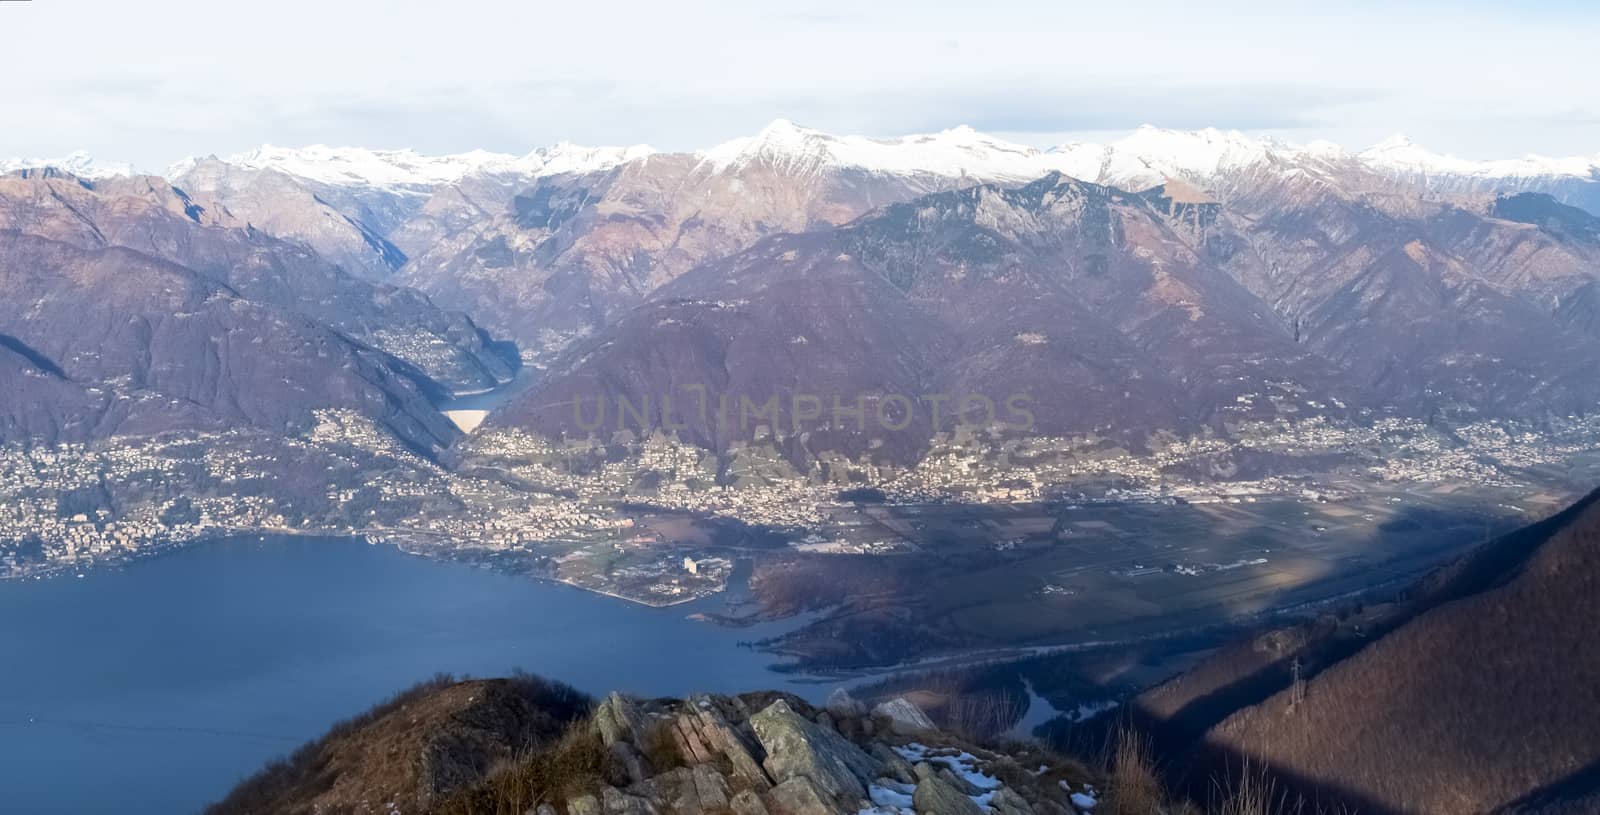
156	80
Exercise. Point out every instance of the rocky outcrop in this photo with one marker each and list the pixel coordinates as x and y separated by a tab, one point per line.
798	748
705	734
904	716
841	703
802	796
618	719
936	795
759	754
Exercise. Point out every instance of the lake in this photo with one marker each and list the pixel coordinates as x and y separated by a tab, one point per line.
154	688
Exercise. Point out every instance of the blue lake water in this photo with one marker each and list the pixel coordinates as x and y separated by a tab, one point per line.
154	688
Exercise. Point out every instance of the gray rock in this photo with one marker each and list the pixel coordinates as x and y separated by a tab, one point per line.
545	809
905	717
841	704
686	732
618	719
710	788
935	796
700	790
798	748
747	802
631	760
926	770
583	805
799	796
705	734
894	766
959	782
617	802
1007	801
664	788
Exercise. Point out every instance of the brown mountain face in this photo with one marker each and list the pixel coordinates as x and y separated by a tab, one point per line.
155	219
124	343
1293	283
133	309
1082	302
1430	305
37	401
345	224
571	253
1476	693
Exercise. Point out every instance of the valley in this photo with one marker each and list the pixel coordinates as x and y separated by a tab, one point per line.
1253	389
985	544
834	408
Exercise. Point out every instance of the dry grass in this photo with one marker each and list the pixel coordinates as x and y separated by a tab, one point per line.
575	764
1132	786
1252	793
660	749
306	772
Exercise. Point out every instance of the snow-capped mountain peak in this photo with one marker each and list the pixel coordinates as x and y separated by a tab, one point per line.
358	166
1399	155
1145	157
78	163
953	153
1151	155
566	157
407	170
1192	154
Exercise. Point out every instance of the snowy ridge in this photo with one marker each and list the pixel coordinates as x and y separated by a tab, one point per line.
78	163
410	170
567	157
359	167
1146	157
953	153
1399	155
1150	155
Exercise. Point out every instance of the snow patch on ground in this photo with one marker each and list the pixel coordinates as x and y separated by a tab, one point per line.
960	762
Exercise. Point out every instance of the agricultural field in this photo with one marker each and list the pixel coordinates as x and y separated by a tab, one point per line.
1041	575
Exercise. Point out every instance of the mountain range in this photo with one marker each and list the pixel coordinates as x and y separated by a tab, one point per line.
1166	281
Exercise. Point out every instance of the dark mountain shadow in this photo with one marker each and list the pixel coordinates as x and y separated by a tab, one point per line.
33	357
1577	794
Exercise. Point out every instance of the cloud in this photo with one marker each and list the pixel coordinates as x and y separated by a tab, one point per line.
153	83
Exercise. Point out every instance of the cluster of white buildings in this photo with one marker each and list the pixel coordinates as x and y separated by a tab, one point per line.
519	491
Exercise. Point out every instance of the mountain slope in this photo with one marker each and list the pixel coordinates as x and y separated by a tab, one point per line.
1079	299
1434	306
414	749
349	203
118	342
1475	692
158	220
574	250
